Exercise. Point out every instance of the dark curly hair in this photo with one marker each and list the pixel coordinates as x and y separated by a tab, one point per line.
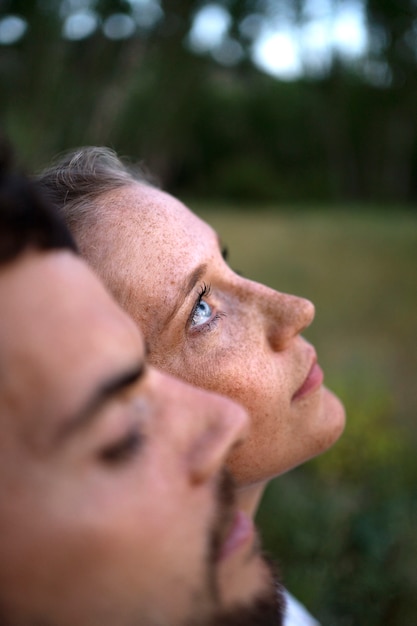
26	218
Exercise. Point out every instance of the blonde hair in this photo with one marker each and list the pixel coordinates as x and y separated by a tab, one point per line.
77	178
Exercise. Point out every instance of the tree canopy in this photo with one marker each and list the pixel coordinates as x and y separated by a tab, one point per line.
205	118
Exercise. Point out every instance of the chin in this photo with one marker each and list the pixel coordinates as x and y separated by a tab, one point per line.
333	419
242	581
323	423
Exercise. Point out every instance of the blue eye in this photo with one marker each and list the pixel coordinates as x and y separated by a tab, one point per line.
202	313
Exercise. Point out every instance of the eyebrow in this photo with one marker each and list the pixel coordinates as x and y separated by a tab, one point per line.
107	390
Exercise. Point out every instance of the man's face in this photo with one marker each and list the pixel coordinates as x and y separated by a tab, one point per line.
113	511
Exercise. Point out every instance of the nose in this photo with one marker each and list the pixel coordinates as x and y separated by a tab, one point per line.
203	426
284	315
225	425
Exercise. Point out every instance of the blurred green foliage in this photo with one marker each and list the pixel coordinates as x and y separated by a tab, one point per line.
209	130
343	525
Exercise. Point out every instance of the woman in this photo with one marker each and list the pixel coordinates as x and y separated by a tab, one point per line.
202	321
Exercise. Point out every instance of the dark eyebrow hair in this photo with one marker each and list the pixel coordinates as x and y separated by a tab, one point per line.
186	288
106	391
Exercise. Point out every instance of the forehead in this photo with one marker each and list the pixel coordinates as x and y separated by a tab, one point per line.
59	332
157	227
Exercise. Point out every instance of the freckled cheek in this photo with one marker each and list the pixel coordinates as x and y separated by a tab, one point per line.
261	385
236	362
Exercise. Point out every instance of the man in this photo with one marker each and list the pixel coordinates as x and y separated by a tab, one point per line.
115	509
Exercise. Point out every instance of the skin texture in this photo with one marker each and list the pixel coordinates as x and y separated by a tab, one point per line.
109	470
243	340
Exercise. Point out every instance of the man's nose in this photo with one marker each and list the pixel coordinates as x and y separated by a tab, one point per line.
204	425
225	425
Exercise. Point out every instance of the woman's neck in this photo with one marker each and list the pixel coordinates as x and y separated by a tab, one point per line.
248	498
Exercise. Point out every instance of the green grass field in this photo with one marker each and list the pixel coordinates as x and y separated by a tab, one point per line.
343	525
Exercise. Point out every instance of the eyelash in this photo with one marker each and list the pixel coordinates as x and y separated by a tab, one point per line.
204	291
123	450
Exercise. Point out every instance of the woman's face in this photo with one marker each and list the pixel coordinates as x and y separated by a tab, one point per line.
216	329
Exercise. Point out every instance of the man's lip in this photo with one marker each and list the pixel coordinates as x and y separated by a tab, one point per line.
241	531
313	381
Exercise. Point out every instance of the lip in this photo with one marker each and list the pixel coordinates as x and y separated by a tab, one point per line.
313	381
242	531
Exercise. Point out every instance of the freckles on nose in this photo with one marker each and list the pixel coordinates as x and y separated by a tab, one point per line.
288	318
306	312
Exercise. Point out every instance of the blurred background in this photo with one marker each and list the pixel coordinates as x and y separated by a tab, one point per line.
291	126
